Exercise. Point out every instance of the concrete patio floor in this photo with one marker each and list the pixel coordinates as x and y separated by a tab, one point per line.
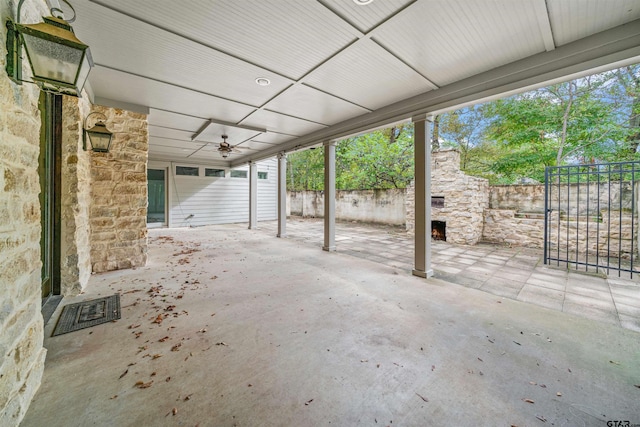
256	330
510	272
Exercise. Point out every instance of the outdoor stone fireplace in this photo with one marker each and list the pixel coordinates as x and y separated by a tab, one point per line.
457	204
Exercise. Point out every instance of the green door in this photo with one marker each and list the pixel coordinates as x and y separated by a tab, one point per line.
49	171
156	190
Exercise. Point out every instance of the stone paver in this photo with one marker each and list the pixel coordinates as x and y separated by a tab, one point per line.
509	272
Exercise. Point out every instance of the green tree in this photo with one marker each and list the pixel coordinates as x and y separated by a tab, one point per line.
380	159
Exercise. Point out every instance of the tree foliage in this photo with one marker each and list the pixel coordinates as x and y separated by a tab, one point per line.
593	119
380	159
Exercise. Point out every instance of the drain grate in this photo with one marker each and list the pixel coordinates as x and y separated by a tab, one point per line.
86	314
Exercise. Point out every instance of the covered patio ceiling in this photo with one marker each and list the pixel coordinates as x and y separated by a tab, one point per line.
335	67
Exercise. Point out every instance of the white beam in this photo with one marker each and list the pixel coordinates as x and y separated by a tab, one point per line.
542	15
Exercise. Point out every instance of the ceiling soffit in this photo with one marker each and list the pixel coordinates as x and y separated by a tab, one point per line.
331	63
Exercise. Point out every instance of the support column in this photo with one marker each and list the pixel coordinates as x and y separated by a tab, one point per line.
422	153
282	195
329	196
253	195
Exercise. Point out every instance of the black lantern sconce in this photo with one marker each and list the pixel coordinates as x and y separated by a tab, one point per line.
99	136
60	63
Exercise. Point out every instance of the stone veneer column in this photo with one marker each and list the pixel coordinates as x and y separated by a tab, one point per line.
75	268
21	352
118	211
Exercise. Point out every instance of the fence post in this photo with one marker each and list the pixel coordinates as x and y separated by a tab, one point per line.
546	213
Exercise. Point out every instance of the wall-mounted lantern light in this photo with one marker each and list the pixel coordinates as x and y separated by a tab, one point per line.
60	63
99	136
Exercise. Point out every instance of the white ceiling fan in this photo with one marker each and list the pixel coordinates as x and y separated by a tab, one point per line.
225	149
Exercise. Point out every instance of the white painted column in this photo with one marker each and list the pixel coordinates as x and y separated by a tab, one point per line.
282	195
422	153
329	196
253	195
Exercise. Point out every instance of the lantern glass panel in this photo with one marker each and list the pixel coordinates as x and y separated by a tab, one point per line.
99	141
53	61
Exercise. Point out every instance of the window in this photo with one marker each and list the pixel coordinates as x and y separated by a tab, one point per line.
238	174
214	172
188	170
262	175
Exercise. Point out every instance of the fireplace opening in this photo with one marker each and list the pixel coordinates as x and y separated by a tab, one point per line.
439	230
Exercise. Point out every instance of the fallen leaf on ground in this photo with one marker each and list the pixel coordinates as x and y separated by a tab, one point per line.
558	394
113	397
176	347
637	385
422	397
133	326
142	384
307	402
517	342
480	359
163	339
174	411
543	419
124	373
170	308
158	319
528	400
363	360
188	397
433	368
222	343
155	356
615	363
533	383
168	379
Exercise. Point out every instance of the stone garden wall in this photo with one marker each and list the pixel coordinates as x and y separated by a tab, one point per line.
375	206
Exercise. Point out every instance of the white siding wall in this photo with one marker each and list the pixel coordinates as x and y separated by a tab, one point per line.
217	200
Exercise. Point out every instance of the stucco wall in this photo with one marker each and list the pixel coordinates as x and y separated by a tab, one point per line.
21	352
376	206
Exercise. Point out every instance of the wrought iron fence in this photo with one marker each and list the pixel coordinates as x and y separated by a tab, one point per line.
591	217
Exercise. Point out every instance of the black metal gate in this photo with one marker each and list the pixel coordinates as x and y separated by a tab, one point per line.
592	217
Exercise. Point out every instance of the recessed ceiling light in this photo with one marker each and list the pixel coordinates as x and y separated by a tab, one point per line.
362	2
263	81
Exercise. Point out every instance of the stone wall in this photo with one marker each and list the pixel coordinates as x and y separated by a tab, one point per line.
21	352
516	217
75	258
614	233
118	210
465	199
375	206
573	198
